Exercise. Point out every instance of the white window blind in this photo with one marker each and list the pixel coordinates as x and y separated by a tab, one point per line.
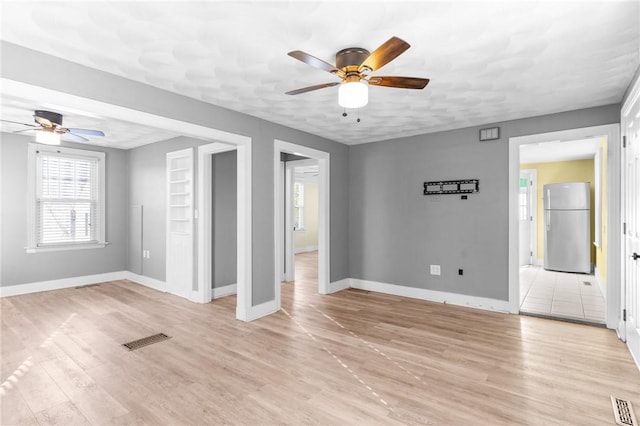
68	199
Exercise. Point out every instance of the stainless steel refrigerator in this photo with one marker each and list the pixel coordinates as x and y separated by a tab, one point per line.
567	217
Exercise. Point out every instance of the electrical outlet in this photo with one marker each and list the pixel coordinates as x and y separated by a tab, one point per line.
435	269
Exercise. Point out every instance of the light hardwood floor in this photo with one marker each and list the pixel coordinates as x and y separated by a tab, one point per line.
350	358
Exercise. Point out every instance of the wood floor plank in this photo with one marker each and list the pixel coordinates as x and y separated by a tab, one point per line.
354	357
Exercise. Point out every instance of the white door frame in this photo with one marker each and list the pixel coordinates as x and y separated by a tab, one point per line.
323	213
205	229
532	175
612	132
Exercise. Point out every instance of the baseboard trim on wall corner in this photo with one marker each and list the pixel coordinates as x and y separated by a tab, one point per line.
339	285
258	311
227	290
601	286
59	284
433	295
146	281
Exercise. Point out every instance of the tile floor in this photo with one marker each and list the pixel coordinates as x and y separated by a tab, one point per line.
561	294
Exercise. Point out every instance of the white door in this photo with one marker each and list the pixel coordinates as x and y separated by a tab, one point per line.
631	200
179	260
526	217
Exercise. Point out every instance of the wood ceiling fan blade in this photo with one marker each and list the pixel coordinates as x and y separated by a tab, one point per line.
311	88
399	82
313	61
384	54
86	132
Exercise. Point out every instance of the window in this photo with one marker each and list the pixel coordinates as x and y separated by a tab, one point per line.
298	206
66	199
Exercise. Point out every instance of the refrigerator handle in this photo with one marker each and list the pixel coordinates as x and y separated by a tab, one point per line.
548	207
548	221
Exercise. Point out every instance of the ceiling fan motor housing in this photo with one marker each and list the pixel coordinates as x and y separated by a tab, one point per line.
351	57
53	117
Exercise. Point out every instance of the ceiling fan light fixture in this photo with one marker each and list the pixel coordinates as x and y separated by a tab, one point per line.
48	138
353	94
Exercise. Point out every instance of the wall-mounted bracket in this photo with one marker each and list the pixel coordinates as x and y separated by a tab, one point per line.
465	186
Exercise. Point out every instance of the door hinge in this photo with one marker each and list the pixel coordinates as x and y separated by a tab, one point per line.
531	218
624	141
624	315
531	253
624	228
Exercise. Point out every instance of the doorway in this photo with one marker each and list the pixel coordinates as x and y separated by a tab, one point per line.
301	201
284	213
612	223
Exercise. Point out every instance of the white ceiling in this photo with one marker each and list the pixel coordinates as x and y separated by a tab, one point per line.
544	152
487	61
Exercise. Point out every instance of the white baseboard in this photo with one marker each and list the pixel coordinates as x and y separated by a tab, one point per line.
305	249
433	295
258	311
15	290
147	281
601	286
226	290
339	285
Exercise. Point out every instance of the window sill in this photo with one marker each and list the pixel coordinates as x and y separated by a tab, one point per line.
65	247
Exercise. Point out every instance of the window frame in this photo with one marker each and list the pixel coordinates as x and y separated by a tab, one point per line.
299	207
32	193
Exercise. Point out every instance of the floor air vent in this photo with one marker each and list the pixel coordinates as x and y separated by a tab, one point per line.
146	341
623	412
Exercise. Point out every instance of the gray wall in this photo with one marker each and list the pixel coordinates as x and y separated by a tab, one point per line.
396	232
26	66
19	267
224	218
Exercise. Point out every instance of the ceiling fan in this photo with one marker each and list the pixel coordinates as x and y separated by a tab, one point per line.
49	129
353	66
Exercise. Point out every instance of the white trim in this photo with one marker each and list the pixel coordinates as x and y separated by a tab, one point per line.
433	295
538	262
601	286
36	287
305	249
324	234
340	285
204	216
612	132
262	310
227	290
243	231
289	259
146	281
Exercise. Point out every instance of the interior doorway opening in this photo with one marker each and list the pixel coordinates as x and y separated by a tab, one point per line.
555	291
301	212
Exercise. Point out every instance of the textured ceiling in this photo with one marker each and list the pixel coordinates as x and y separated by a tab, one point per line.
487	61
